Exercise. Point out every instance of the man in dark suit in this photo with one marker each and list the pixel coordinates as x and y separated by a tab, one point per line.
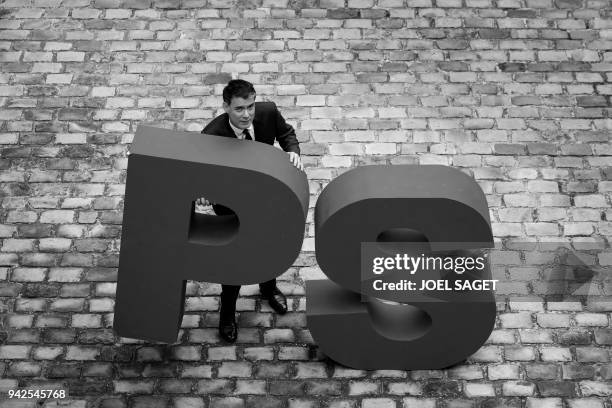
260	121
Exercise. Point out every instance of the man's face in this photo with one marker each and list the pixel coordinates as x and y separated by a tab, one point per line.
241	111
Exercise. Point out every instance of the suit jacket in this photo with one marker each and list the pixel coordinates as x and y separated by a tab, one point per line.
268	125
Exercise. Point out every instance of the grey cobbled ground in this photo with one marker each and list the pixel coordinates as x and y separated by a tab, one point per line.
515	93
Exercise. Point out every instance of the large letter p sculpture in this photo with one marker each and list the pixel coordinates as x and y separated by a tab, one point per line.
165	242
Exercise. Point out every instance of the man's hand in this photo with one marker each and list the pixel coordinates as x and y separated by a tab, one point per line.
202	205
202	201
295	160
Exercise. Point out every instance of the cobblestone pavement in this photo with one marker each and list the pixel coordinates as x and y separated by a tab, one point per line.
515	93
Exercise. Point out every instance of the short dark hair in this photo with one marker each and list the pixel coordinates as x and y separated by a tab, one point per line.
237	88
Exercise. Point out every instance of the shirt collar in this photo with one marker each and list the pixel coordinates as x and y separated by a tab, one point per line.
239	132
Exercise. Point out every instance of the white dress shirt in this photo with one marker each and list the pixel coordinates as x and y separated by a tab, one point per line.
240	132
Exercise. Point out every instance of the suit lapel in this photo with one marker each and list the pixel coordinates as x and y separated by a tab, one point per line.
258	125
229	132
257	128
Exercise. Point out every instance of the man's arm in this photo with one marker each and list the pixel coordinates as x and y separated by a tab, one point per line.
285	134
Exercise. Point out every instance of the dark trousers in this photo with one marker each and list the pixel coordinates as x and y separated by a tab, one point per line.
229	294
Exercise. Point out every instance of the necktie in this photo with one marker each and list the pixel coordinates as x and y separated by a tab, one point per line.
247	135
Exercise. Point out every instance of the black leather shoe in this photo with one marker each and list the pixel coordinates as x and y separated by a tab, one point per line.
277	301
228	330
